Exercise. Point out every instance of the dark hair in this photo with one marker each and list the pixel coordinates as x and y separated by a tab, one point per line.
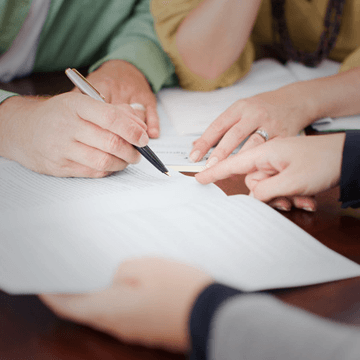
328	37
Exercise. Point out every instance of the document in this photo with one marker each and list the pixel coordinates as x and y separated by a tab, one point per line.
70	235
185	115
191	112
174	149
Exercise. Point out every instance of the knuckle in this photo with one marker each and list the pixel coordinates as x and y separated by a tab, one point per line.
218	127
135	131
99	174
114	143
203	144
111	116
108	81
237	132
222	153
104	162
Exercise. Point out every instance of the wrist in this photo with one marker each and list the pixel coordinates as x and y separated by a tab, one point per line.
12	124
206	305
302	101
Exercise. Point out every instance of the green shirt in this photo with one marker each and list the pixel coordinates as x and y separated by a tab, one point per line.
88	33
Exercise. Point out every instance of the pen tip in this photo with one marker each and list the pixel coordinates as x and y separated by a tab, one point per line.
166	173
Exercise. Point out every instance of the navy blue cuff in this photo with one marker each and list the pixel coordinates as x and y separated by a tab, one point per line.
201	316
350	171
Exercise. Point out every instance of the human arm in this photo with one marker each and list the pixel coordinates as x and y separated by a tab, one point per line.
161	303
135	66
285	167
143	305
226	324
283	112
169	17
221	29
70	135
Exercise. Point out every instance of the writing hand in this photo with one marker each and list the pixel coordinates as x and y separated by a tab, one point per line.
294	166
70	135
121	82
149	303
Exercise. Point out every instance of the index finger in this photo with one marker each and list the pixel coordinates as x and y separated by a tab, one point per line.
242	163
120	119
214	133
152	121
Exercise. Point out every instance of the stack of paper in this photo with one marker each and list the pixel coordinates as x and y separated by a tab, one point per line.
69	235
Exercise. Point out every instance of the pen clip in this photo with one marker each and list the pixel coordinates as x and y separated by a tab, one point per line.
83	78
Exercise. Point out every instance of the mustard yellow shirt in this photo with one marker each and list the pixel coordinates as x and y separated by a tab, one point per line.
305	20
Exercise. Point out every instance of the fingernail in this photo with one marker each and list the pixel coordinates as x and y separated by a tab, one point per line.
308	209
154	133
282	208
194	156
143	140
211	162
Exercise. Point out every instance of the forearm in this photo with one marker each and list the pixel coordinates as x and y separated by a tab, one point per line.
226	324
137	44
261	327
331	96
7	124
213	35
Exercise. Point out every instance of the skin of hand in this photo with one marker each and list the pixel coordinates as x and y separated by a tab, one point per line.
70	135
294	166
280	113
122	83
149	303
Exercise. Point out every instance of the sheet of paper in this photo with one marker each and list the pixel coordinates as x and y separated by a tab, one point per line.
239	240
174	150
138	187
191	112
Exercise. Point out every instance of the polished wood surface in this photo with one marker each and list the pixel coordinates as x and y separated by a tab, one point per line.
28	330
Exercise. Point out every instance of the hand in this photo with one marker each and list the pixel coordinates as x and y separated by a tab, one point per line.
121	82
280	113
149	303
70	135
285	167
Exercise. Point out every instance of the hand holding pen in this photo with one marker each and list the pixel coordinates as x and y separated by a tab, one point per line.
86	88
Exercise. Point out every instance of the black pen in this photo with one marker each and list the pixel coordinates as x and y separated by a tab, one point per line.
86	88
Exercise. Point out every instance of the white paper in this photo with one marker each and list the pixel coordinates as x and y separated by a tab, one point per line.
75	243
174	149
191	112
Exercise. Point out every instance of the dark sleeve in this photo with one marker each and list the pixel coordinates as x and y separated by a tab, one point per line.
205	306
350	171
226	324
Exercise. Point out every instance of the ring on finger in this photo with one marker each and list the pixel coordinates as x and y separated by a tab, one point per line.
138	106
263	134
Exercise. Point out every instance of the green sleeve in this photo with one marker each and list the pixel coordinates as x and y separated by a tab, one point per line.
137	43
5	95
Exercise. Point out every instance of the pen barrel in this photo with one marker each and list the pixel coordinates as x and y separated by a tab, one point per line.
149	155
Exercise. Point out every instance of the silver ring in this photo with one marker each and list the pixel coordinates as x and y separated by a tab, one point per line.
263	134
138	106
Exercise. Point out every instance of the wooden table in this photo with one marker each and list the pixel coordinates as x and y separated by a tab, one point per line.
28	330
